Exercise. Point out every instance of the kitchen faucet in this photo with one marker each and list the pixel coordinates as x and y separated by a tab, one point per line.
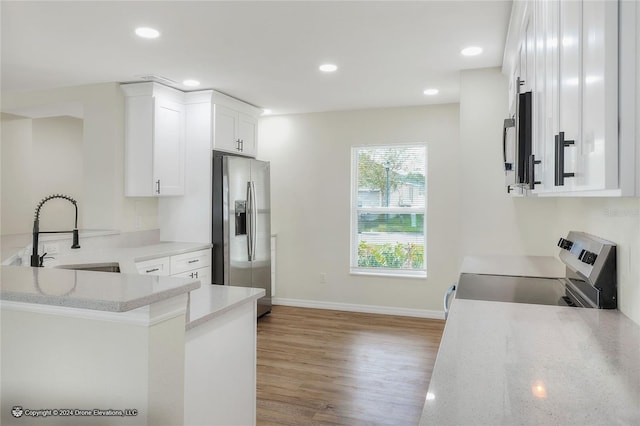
36	260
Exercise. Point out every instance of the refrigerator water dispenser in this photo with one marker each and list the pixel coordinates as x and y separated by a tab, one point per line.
241	217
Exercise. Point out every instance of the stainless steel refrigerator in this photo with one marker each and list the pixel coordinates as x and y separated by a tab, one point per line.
242	224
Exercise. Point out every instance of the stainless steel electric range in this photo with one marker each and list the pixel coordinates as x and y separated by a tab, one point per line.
590	281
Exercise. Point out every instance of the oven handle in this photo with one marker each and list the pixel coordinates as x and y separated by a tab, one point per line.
447	296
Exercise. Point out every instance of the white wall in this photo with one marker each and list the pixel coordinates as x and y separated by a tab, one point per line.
104	205
310	164
469	211
617	220
492	222
42	156
16	169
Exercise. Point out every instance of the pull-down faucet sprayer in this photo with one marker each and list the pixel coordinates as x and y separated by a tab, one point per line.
38	260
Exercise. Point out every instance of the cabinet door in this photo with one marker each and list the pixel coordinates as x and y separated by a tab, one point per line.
538	89
546	93
598	152
248	134
225	123
569	93
203	274
168	147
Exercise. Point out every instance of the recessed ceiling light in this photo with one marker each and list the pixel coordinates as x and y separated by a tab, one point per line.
191	83
146	32
431	92
328	67
266	111
471	51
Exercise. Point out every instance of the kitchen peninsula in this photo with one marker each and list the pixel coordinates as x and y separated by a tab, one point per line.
138	345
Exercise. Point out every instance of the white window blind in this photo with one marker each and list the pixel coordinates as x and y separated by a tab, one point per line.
388	213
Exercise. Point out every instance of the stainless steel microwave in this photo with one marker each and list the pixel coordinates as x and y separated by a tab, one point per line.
516	144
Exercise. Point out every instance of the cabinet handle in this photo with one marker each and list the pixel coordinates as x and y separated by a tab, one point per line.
242	145
238	148
152	270
560	145
158	186
194	261
194	275
532	175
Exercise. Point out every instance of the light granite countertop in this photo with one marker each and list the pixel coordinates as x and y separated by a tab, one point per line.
126	257
211	301
513	363
102	291
124	291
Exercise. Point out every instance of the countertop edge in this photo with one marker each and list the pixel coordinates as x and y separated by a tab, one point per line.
206	318
99	305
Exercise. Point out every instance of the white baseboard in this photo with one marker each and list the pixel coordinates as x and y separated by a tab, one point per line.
351	307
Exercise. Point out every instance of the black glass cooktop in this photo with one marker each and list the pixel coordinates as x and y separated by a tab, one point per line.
498	288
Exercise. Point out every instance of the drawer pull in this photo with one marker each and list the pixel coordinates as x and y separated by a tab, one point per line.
152	270
194	275
194	261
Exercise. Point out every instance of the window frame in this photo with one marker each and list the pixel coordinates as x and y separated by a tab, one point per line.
355	211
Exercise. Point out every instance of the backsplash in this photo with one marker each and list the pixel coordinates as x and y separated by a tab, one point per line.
615	219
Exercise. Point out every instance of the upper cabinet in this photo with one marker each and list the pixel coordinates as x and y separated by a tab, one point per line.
154	140
566	54
235	126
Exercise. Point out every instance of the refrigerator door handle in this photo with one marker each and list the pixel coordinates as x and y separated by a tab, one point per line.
254	220
249	219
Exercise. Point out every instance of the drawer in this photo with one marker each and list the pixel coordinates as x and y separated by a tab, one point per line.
159	266
203	274
190	261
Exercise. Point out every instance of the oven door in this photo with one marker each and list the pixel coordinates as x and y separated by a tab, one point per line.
500	288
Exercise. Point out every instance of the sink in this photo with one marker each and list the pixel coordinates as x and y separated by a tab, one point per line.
95	267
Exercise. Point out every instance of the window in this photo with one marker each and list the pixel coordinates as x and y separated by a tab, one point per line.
388	212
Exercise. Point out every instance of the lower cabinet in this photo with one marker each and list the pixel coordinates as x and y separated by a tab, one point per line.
220	370
196	264
203	274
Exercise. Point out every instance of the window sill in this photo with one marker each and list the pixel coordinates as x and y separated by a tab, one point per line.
390	274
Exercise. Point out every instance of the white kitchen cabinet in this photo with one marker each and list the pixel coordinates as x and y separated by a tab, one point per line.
235	126
188	218
568	52
154	140
583	155
203	274
195	264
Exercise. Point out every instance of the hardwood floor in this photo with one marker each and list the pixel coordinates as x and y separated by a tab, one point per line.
319	367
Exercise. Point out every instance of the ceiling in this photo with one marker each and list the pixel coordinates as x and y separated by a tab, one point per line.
266	53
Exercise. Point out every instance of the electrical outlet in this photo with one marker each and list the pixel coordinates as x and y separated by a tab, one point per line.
323	278
50	248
